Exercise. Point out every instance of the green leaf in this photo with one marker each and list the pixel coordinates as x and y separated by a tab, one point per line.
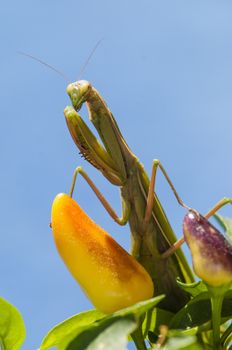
107	334
140	308
196	315
226	224
62	333
12	329
194	288
182	343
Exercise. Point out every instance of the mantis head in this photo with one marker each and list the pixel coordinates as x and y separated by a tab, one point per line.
78	93
110	153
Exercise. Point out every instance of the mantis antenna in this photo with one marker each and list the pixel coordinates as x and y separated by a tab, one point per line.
89	58
45	64
57	70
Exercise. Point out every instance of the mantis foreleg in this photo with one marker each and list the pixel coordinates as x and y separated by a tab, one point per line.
125	208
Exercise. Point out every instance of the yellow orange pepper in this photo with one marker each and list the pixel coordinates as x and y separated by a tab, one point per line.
111	278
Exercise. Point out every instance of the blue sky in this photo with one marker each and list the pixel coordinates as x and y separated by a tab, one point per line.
164	68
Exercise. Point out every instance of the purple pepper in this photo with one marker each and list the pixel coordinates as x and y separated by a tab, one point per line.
211	252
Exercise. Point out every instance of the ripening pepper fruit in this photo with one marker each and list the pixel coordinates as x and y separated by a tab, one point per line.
111	278
211	252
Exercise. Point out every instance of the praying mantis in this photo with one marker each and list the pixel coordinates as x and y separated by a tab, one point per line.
151	232
154	243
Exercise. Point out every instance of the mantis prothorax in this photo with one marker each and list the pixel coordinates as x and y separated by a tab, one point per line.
151	232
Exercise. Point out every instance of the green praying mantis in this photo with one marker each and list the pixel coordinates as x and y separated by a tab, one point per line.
151	232
154	243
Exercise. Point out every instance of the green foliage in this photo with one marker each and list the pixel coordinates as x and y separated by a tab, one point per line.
12	329
194	288
64	332
93	330
108	334
196	315
87	329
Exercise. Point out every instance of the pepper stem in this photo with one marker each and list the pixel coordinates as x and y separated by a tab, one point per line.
216	297
216	304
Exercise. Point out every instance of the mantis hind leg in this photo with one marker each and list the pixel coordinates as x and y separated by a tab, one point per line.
212	211
125	209
217	206
150	199
224	201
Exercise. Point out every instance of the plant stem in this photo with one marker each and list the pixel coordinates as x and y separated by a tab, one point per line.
137	337
216	304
